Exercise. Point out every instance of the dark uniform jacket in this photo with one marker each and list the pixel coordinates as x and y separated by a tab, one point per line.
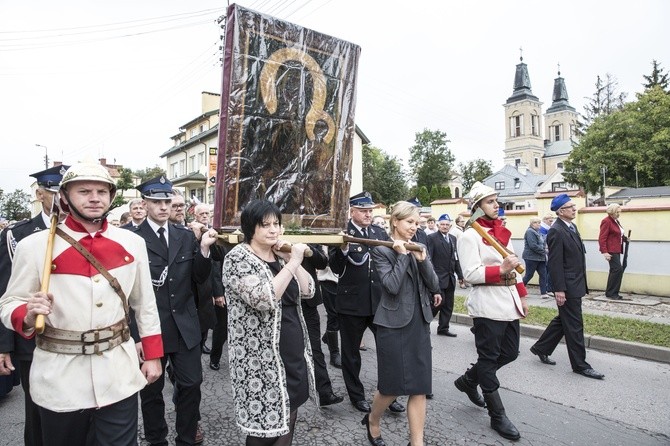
359	288
186	266
318	260
445	260
567	260
21	348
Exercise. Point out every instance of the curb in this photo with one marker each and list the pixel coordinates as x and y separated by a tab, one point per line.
616	346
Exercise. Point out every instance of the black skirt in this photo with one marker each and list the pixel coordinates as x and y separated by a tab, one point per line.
404	357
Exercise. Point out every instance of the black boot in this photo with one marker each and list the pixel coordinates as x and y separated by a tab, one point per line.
469	387
331	339
499	420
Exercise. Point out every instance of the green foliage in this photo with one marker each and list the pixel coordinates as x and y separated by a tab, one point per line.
149	173
431	160
124	183
423	195
383	176
445	192
15	205
473	171
605	100
635	137
610	327
435	193
656	78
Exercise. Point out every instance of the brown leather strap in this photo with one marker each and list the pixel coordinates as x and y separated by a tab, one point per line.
97	265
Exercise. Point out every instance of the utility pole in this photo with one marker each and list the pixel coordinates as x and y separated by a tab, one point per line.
636	183
46	155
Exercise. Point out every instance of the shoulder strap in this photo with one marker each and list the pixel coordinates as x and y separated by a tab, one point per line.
97	265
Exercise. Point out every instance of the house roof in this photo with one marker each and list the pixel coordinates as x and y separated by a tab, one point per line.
642	192
196	139
557	148
510	176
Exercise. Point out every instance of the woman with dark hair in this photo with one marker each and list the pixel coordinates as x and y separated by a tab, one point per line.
404	358
271	368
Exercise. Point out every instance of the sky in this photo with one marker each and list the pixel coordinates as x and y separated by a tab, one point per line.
116	79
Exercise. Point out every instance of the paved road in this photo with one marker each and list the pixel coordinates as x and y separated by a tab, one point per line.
549	405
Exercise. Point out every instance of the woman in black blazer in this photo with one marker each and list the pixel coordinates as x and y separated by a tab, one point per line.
404	363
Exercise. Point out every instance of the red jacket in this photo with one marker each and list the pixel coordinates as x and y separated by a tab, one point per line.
610	238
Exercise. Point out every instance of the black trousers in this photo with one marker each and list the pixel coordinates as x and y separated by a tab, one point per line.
615	276
497	345
445	309
313	322
187	371
568	323
32	430
219	333
113	425
329	294
351	335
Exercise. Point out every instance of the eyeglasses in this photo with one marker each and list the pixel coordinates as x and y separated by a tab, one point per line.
178	206
572	206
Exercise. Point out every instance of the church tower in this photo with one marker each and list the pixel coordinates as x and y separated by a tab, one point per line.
561	123
524	145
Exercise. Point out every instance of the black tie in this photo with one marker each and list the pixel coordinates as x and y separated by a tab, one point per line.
365	232
572	228
161	237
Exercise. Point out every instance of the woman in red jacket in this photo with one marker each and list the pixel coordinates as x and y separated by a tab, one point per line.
611	246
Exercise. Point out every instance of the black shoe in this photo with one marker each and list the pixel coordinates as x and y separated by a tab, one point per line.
328	399
590	373
499	421
545	359
429	396
446	333
214	365
467	386
336	360
374	441
396	407
199	436
205	350
617	297
362	406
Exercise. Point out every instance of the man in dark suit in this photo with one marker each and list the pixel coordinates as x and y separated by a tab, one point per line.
177	262
358	293
137	213
310	312
420	235
12	345
567	266
442	252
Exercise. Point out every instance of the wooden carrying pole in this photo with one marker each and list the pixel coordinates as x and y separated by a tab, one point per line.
46	272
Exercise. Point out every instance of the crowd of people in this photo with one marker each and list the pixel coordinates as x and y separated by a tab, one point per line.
123	305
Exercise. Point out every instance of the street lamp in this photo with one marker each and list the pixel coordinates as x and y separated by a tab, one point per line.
46	156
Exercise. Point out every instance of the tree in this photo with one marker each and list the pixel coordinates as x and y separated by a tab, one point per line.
473	171
124	183
149	173
657	77
446	192
423	195
631	142
431	160
16	206
606	100
383	176
435	193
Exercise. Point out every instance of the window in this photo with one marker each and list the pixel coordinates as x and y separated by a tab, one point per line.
210	194
535	124
500	185
191	161
182	168
559	165
201	160
457	192
517	162
517	183
174	171
556	132
200	194
516	126
537	162
558	186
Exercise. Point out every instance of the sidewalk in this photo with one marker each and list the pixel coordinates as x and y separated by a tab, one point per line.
654	309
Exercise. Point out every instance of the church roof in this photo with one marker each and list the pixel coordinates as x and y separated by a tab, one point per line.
558	148
522	90
560	97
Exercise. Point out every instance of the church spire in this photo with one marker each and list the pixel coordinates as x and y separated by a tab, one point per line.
560	96
522	88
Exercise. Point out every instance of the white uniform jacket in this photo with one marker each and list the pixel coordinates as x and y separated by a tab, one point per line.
82	300
481	263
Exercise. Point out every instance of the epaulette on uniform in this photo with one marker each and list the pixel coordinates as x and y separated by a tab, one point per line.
18	223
